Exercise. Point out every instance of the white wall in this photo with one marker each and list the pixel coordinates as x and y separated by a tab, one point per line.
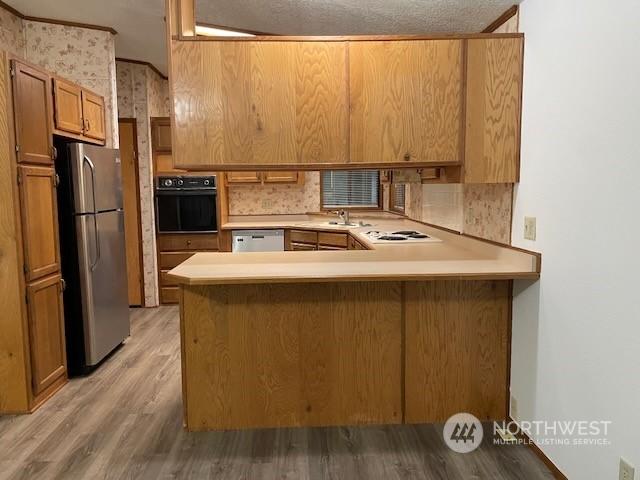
576	332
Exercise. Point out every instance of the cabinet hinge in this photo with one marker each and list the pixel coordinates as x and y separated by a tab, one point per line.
12	71
54	152
57	180
24	268
26	299
17	148
63	284
19	179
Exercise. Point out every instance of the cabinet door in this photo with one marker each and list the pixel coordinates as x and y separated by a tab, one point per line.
243	177
93	113
406	101
260	103
494	89
46	332
67	106
32	114
39	214
281	177
161	134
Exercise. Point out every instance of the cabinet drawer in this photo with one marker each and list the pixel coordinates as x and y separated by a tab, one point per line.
169	260
333	239
169	295
187	242
304	236
166	280
329	247
302	247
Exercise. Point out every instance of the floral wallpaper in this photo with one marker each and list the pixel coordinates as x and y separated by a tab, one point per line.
488	210
158	92
12	37
84	56
272	199
134	101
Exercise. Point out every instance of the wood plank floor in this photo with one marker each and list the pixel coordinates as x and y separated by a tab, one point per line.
125	421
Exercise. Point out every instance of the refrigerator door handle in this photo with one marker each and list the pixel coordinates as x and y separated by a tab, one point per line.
92	167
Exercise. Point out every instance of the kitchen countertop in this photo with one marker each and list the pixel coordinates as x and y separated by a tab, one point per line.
455	257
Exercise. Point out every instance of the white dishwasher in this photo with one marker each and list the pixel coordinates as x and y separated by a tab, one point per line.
258	241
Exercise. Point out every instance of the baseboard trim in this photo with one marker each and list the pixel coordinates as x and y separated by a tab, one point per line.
555	471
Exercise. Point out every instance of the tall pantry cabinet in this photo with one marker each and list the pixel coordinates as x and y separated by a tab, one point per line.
32	341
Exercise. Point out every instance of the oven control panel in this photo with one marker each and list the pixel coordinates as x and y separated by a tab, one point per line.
186	183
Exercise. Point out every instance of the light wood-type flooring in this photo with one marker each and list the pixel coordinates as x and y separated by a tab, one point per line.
125	421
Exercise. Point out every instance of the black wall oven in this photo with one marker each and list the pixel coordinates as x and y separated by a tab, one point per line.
186	204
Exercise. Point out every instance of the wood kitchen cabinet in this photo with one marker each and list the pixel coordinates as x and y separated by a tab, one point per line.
260	103
93	112
493	106
46	332
32	350
371	102
32	113
77	112
274	176
175	248
39	213
406	101
161	134
243	177
68	106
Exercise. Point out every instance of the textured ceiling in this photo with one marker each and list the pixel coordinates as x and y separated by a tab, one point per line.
140	23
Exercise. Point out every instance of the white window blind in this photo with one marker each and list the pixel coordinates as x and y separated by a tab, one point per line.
350	188
398	197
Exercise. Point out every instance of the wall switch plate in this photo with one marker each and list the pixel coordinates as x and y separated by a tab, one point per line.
530	228
627	472
513	407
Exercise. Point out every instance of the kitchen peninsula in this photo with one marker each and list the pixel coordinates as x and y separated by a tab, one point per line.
393	334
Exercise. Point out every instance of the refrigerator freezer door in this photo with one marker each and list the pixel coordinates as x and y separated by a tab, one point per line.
97	184
103	283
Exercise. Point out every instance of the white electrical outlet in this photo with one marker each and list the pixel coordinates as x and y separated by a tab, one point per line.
267	203
513	408
530	228
627	472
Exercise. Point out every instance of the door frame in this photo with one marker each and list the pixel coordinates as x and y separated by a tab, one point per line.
136	158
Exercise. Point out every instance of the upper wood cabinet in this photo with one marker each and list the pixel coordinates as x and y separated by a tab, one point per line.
406	101
93	112
46	332
32	114
67	106
260	103
161	134
273	176
493	106
370	102
38	211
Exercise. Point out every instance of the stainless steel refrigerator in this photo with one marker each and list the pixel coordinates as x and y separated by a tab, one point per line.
93	253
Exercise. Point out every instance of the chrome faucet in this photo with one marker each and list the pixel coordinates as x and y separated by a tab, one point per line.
343	215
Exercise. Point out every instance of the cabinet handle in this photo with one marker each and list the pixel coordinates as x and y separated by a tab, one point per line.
88	125
63	284
407	157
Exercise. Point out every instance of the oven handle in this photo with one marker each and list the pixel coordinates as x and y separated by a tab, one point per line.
185	193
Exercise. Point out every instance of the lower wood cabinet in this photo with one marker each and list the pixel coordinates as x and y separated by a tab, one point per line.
304	240
46	332
175	248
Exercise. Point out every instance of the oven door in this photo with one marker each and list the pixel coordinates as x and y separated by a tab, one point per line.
180	211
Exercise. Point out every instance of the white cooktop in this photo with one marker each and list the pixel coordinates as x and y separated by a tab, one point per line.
400	237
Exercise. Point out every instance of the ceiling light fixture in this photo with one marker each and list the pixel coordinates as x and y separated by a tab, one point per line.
219	32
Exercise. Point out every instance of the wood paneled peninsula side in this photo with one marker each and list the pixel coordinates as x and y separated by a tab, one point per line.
393	334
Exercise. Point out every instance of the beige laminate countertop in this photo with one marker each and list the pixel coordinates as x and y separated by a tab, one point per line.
455	257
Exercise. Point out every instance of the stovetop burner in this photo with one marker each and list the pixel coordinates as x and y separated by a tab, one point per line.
392	238
411	234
